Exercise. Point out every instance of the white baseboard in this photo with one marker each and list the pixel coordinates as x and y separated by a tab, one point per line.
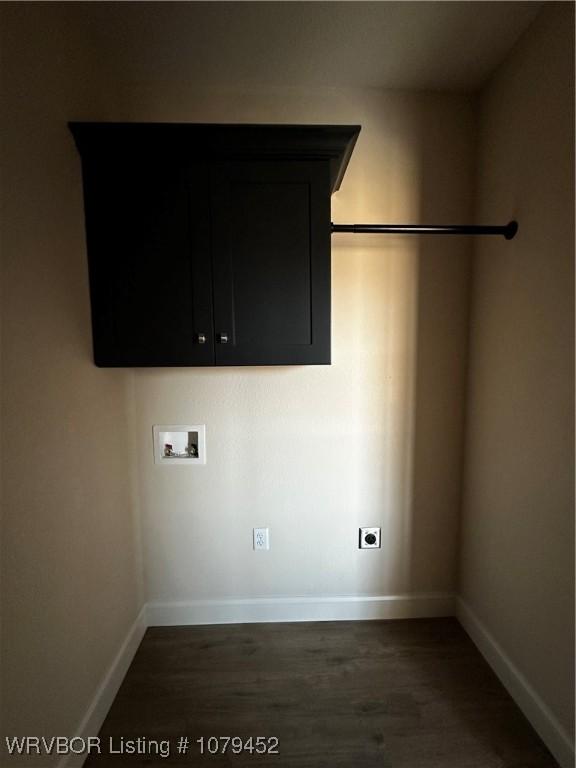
238	611
347	608
278	609
537	712
107	690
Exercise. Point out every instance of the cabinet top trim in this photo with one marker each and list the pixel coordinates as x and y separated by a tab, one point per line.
214	141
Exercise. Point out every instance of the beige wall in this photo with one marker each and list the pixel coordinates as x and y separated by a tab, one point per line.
316	452
70	557
517	562
311	452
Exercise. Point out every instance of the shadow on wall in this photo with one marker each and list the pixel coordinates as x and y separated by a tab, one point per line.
444	263
414	302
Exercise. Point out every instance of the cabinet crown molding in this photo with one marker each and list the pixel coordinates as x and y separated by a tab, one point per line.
222	141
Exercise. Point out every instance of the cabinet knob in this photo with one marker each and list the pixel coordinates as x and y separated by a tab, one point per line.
201	338
223	338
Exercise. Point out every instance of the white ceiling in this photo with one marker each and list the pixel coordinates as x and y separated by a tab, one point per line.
414	45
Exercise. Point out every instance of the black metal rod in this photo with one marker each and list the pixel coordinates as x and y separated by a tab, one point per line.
508	230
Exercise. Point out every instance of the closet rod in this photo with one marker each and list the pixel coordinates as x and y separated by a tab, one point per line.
508	230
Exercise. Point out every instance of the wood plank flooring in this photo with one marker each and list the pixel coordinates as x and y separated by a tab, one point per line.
370	694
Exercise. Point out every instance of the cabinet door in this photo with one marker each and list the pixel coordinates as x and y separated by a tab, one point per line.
271	262
148	247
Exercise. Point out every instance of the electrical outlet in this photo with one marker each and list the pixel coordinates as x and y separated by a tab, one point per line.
261	538
369	538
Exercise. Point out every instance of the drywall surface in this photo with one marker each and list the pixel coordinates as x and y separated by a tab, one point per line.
517	564
315	452
70	583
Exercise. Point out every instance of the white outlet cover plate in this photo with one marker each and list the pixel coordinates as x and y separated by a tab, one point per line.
364	532
261	538
179	436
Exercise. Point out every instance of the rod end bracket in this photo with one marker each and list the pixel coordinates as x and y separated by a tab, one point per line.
511	229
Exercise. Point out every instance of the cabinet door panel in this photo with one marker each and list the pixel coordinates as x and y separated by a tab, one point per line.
147	232
271	262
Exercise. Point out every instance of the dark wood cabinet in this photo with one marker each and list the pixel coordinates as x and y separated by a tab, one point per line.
210	245
271	262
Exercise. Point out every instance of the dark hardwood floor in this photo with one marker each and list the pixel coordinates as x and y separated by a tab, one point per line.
385	694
